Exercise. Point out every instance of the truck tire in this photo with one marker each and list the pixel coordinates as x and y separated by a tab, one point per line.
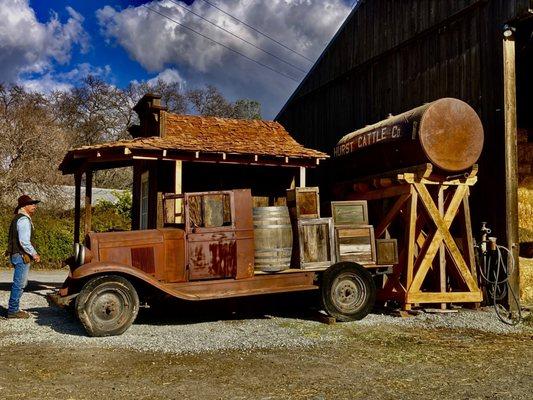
348	291
107	305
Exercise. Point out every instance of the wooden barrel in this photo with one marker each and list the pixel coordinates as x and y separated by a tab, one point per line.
273	238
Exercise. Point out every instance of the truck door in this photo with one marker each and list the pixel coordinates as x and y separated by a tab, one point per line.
211	239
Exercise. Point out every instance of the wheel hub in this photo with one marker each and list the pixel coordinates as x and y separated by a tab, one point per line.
108	306
348	292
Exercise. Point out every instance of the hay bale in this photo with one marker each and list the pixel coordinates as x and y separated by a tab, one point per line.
526	281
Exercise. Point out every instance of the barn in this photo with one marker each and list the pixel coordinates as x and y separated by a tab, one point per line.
391	56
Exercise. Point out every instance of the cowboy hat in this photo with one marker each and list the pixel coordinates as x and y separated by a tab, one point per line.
25	200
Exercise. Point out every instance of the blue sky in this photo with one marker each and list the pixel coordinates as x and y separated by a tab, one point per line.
53	44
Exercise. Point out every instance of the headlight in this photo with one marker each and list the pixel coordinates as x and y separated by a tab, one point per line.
82	254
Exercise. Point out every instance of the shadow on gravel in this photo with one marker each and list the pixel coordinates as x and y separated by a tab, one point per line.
33	286
174	312
288	305
58	319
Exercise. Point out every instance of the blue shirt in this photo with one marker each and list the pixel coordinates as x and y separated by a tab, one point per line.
24	231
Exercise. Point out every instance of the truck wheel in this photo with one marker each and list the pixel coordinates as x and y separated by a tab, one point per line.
107	305
348	291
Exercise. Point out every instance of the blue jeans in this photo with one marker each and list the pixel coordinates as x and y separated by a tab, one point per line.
20	279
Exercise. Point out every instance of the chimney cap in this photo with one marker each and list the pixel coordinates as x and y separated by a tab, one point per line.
149	101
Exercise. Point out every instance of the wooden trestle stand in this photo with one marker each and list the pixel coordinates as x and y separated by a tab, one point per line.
421	216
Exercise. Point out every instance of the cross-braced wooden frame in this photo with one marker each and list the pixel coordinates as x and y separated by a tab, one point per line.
426	206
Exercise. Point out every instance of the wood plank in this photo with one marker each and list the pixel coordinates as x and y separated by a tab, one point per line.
393	212
411	232
448	297
468	237
442	254
384	193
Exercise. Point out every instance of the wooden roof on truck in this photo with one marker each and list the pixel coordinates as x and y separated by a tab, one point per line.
167	136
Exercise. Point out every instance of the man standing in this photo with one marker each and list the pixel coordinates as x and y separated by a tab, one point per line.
21	252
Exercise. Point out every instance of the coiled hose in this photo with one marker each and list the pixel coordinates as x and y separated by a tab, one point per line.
490	272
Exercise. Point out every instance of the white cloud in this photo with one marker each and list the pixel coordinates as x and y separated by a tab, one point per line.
158	43
52	81
28	46
169	75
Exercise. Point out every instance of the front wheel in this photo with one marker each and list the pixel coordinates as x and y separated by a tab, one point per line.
348	291
107	305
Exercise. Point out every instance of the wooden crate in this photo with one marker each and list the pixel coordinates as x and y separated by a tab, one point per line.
386	251
316	243
303	202
355	243
353	212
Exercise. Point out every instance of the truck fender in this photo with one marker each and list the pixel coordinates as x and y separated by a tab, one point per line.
110	268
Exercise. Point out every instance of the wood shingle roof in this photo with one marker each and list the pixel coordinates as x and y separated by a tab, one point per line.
206	137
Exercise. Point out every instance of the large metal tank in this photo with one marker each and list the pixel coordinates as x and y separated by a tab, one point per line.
446	133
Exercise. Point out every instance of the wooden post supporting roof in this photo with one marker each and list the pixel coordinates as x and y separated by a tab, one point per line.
511	163
88	201
302	177
77	205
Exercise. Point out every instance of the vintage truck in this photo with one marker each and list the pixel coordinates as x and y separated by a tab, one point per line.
113	273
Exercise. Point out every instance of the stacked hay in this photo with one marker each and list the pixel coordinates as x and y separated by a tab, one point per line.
525	222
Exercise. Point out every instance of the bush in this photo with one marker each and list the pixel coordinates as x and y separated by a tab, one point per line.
53	235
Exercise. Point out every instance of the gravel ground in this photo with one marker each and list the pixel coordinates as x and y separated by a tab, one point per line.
232	353
226	331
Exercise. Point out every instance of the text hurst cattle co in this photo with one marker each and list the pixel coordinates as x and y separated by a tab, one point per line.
361	140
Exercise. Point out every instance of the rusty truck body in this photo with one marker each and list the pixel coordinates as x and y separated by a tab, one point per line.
112	273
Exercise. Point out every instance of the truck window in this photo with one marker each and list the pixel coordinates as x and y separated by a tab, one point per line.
209	210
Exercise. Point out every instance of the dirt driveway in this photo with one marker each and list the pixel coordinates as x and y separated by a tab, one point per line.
229	357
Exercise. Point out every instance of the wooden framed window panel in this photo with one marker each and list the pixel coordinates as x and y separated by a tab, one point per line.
354	212
144	200
316	242
303	202
386	251
355	243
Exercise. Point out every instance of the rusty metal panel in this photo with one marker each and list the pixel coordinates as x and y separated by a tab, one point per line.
128	238
175	256
242	209
220	251
140	249
244	232
212	256
143	258
259	284
120	255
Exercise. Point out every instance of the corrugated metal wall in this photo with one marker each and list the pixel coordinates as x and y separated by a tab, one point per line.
391	56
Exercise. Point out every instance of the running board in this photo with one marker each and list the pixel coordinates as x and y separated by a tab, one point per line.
259	284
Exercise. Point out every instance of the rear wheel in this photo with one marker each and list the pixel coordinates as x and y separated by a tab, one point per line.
348	291
107	305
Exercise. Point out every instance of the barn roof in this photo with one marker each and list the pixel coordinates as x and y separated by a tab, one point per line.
202	139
